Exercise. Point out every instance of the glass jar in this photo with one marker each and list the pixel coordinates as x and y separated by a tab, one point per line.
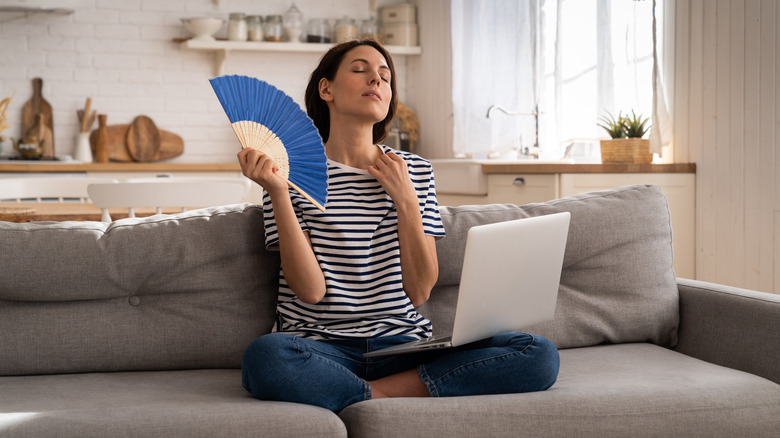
318	31
346	30
254	25
272	28
370	29
237	27
293	24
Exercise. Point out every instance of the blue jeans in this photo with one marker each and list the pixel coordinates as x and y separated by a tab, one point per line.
334	374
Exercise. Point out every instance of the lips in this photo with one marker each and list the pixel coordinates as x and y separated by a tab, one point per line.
373	95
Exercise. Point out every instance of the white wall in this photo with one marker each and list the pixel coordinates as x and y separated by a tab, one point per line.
121	54
726	110
430	80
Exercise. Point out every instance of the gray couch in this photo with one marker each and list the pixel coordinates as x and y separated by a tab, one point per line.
136	328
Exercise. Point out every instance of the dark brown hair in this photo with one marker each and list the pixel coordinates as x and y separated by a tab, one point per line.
329	64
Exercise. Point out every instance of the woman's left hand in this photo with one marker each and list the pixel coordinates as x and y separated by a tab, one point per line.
391	172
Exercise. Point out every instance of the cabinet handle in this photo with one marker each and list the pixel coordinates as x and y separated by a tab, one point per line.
519	181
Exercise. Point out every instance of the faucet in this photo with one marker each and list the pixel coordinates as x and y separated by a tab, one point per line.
535	113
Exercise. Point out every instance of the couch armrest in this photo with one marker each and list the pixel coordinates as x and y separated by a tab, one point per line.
732	327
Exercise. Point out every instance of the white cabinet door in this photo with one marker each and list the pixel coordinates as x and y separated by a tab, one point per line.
522	189
680	192
455	200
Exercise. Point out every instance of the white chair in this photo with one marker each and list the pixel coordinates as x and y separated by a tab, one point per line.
245	182
163	194
48	189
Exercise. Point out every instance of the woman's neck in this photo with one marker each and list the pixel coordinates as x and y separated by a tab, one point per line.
352	144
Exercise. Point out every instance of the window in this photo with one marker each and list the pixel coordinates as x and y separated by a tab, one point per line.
566	61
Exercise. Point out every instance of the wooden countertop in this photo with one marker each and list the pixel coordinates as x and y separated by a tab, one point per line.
64	167
498	167
531	167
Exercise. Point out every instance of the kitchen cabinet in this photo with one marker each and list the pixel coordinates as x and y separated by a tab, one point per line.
516	189
521	188
680	192
459	199
539	182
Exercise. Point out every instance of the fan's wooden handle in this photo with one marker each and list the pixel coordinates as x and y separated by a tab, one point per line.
305	195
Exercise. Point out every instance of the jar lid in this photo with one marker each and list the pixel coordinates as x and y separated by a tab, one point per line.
237	15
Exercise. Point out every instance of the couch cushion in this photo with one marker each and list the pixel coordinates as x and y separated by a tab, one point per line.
183	291
627	390
197	403
618	283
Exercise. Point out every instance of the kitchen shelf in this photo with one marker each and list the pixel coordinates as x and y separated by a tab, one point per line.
34	10
222	48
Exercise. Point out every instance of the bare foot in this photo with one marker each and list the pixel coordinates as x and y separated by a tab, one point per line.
404	384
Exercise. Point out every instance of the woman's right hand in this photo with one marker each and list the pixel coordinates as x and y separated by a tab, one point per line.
261	169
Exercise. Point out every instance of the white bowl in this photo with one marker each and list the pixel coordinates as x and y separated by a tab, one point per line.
203	27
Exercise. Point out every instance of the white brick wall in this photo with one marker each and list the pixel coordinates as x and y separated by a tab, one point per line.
120	53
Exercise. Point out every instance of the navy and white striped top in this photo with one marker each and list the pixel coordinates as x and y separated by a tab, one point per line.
355	241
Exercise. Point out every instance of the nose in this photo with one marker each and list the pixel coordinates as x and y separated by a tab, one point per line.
374	78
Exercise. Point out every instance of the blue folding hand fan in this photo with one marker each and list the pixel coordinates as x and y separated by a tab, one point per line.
265	118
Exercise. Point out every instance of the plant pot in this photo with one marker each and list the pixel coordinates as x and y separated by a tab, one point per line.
626	150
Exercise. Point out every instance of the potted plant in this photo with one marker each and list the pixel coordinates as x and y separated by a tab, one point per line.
626	144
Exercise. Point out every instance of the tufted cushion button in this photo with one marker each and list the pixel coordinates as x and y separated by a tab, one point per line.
134	300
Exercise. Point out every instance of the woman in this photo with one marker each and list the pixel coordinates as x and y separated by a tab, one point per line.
352	276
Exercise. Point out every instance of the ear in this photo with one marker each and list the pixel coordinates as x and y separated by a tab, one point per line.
324	87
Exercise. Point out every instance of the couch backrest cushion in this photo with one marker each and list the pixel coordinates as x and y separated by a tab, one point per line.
617	285
192	290
167	292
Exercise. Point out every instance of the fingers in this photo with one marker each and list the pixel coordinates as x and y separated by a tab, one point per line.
389	158
391	163
393	156
389	169
256	165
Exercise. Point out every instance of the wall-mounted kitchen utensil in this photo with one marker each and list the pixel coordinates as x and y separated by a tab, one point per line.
171	145
101	146
143	139
36	106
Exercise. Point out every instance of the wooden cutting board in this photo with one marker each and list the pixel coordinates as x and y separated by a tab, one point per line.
171	145
143	139
37	119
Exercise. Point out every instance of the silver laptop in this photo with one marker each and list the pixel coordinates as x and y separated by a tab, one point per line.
510	278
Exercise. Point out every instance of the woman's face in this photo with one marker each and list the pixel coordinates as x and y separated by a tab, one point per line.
361	87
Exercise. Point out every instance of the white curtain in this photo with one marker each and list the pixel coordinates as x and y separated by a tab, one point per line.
661	130
575	60
494	63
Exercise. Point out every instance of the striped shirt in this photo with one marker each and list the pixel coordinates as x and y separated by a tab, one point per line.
355	241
